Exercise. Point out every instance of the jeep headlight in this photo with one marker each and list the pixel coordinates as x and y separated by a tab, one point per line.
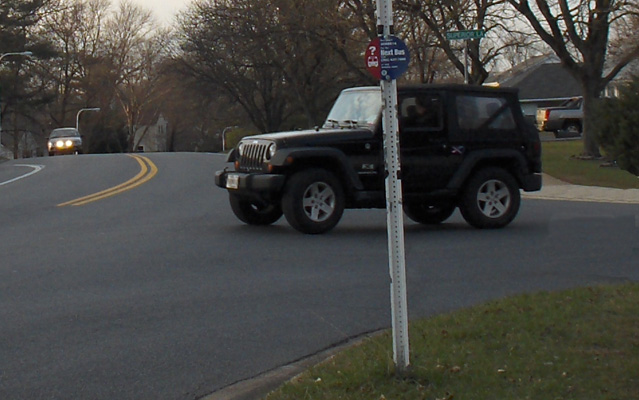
270	151
240	149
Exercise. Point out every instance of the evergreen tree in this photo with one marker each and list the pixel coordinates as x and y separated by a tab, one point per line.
19	95
16	16
617	127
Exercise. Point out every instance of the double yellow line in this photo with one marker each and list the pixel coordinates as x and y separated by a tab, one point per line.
147	172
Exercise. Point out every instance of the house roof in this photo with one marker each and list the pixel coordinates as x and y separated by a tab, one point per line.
540	78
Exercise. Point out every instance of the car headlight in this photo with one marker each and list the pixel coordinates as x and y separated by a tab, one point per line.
270	151
68	143
59	144
240	149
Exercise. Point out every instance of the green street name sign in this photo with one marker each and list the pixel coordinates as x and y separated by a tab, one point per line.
465	35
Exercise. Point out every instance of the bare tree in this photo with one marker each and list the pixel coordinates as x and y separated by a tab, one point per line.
579	33
355	26
434	18
428	62
302	38
75	30
225	45
19	91
135	49
283	61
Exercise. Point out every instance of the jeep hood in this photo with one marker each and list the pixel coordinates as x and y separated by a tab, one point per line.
312	137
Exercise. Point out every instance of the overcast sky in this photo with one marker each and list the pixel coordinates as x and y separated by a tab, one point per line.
164	10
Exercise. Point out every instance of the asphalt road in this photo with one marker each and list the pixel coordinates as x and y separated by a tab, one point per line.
158	292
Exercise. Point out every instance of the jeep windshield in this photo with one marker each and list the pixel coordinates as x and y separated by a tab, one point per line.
355	107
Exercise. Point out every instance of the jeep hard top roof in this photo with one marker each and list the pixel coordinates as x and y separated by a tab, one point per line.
454	87
457	87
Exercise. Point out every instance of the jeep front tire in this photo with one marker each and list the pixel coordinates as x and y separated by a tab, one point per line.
254	213
490	199
313	201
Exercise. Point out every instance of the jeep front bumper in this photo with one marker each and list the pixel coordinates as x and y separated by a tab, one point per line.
253	185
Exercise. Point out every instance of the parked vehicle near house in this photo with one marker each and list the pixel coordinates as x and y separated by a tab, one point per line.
64	141
564	120
460	146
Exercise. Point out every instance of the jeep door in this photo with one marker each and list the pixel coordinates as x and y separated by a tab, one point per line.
424	143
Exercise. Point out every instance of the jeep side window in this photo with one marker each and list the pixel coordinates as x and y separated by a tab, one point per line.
482	112
421	112
498	114
467	112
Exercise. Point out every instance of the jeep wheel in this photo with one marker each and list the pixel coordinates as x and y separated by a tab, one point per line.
428	214
491	199
254	213
313	201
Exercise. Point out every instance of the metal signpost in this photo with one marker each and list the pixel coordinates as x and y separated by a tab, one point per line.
466	36
387	58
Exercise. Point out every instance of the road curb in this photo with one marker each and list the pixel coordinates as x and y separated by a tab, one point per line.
259	386
555	189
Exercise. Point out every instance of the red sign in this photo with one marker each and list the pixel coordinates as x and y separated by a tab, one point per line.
373	59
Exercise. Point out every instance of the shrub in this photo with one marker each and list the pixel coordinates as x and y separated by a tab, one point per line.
616	125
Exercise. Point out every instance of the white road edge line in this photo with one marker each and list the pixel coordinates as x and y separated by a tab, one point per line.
36	168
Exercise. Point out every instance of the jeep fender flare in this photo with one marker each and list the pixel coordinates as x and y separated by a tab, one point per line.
511	160
289	157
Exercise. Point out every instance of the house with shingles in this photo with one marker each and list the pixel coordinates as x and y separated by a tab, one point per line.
542	82
152	138
27	147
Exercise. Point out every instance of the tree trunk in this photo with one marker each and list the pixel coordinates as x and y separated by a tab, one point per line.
591	93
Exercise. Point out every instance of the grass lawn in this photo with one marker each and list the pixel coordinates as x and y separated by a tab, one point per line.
577	344
558	160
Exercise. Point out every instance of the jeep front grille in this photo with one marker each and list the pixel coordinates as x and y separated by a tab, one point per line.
252	156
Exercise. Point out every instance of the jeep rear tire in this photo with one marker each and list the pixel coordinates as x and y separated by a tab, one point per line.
491	199
313	201
428	214
254	213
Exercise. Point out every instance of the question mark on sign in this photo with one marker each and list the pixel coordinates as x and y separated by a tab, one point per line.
373	49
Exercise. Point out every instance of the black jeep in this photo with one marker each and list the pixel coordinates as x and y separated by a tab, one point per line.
460	146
